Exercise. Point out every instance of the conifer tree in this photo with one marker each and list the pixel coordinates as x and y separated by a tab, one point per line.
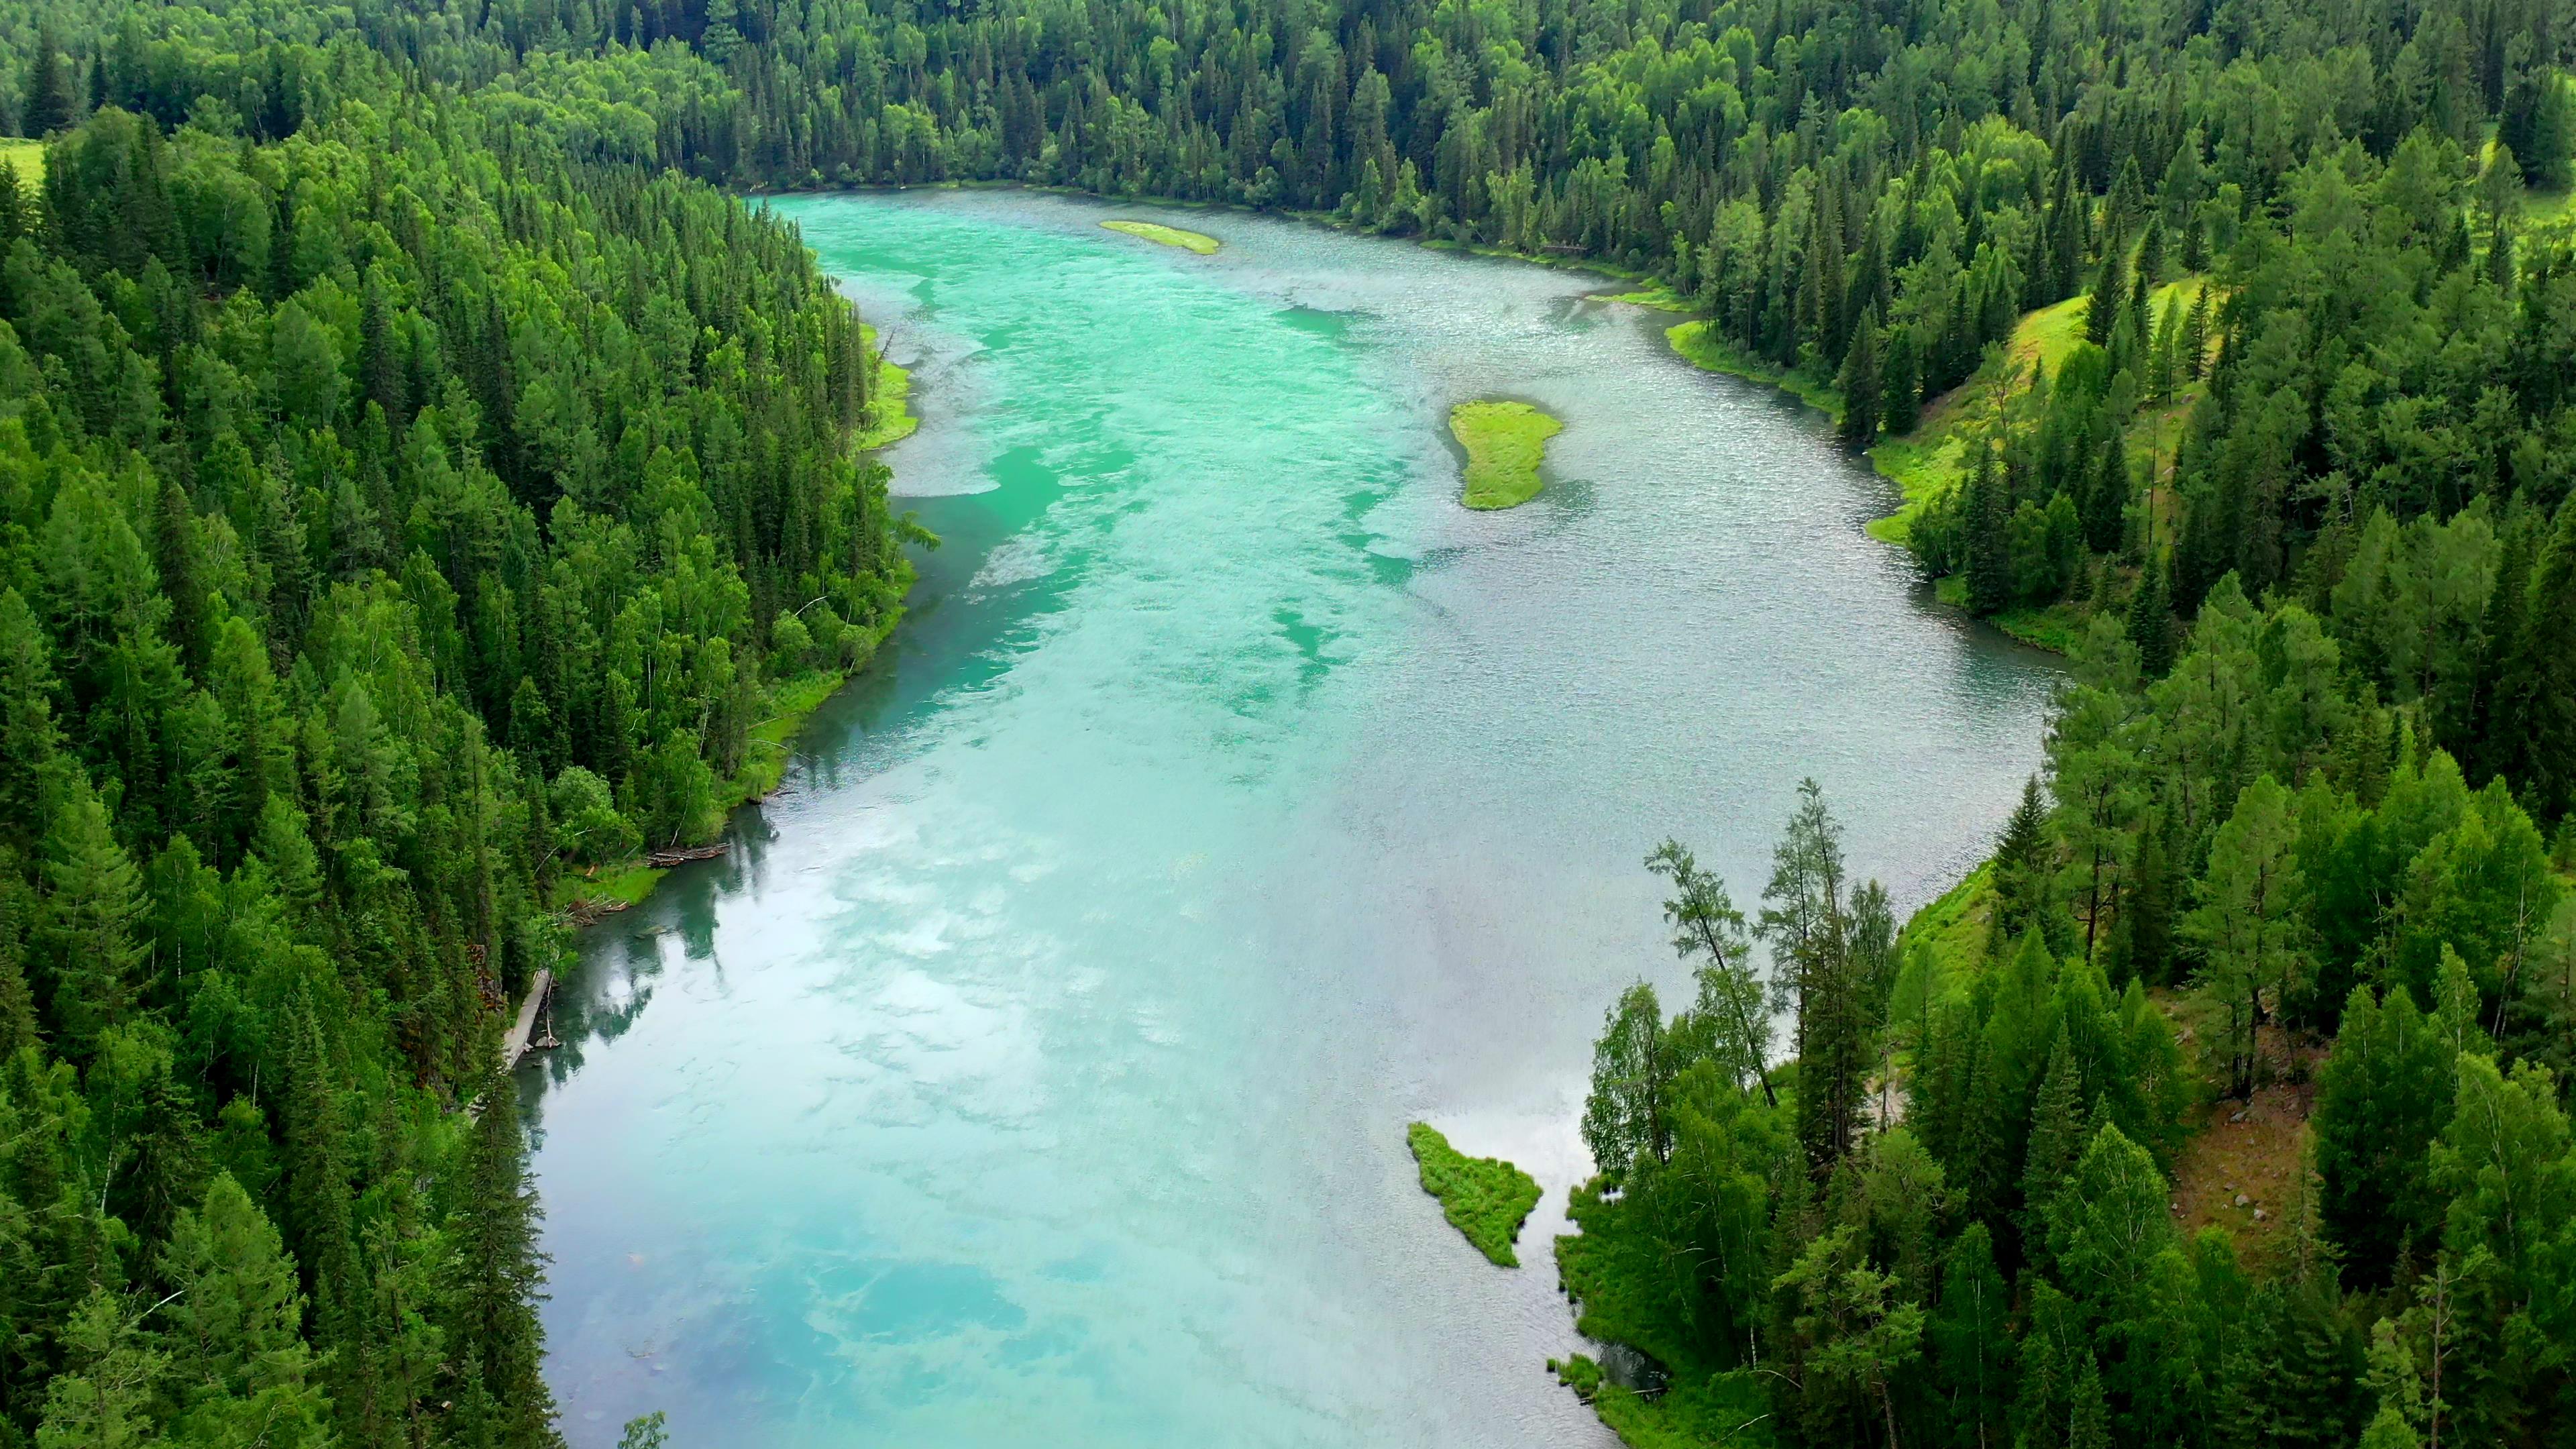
2023	867
2057	1135
93	898
2151	621
1902	405
1863	388
498	1273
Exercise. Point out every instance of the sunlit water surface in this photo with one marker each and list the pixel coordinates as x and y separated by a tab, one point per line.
1036	1071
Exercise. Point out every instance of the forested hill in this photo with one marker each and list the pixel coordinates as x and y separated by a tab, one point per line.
398	512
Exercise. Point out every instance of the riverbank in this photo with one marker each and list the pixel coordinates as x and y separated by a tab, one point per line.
786	703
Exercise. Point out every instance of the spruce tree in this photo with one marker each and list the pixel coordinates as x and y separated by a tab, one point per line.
1861	384
2151	621
51	104
497	1273
1902	407
1989	548
2057	1137
2022	868
2109	294
2195	337
2106	498
2536	715
93	899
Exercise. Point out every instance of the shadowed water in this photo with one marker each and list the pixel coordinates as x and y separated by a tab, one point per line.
1036	1071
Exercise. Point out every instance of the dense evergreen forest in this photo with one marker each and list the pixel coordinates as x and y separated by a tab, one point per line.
413	484
2255	928
398	513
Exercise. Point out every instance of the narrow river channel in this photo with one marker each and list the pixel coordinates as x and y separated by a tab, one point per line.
1036	1070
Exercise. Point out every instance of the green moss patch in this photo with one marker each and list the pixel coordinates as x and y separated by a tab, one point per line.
1170	236
1482	1197
1505	443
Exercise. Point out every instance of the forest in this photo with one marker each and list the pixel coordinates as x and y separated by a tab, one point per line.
420	480
397	520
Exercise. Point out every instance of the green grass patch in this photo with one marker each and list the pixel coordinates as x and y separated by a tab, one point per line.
1170	236
889	416
28	157
1505	443
1699	344
1957	924
1482	1197
1659	296
620	885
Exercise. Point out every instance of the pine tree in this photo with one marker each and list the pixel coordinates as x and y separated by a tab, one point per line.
1902	408
2145	923
51	104
1990	582
1862	386
2151	622
2110	291
2106	496
498	1274
2195	337
2057	1136
2023	867
29	742
93	898
2535	731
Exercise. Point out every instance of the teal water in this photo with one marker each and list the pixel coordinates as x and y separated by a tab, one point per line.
1036	1069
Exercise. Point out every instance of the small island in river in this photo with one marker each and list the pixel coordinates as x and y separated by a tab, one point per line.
1483	1198
1505	442
1170	236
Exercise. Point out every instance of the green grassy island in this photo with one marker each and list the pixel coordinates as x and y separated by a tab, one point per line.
1483	1197
1170	236
1505	443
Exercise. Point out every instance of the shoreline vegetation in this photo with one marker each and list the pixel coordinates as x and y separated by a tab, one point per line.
1506	444
1484	1198
1170	236
587	897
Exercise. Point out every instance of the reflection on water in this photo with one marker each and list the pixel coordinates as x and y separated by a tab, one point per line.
1036	1067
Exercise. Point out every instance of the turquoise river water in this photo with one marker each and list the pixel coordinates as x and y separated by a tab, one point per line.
1036	1069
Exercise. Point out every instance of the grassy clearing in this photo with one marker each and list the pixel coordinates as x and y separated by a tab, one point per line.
1170	236
1505	443
1935	457
27	156
1482	1197
889	417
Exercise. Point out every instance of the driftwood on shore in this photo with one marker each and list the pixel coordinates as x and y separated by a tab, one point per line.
682	855
515	1043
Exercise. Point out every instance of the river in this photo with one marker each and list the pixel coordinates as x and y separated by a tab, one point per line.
1036	1070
